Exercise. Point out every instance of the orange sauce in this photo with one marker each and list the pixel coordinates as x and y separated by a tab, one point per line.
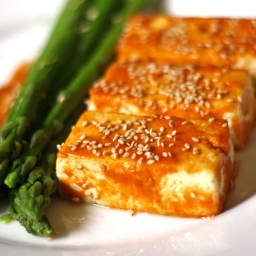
9	92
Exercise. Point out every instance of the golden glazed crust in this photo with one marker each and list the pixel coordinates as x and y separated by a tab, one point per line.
202	41
155	164
147	88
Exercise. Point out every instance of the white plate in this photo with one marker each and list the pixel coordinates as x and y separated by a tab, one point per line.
92	230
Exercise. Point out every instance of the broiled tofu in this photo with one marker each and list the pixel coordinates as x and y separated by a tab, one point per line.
144	88
201	41
157	164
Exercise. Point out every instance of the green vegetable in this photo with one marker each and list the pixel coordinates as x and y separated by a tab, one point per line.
29	202
43	74
98	19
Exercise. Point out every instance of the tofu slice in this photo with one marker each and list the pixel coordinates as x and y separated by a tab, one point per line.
201	41
146	88
157	164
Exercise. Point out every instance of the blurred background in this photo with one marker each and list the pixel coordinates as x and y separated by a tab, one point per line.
237	8
18	12
24	24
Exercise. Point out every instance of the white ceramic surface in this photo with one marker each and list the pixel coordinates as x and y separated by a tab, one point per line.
91	230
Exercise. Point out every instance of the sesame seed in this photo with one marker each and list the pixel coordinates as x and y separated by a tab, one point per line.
73	148
225	125
146	148
156	157
161	129
192	195
121	141
94	151
139	152
125	127
219	97
211	119
146	139
174	133
80	166
207	104
115	138
149	155
85	123
151	161
165	154
195	139
126	154
187	146
82	137
165	110
139	162
107	132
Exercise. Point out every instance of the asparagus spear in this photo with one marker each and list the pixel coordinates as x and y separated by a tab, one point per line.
71	97
42	75
98	19
29	202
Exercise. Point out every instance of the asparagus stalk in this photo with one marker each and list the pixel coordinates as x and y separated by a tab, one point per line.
98	19
57	52
29	202
71	97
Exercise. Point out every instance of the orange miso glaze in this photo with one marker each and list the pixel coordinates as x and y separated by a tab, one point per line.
147	88
201	41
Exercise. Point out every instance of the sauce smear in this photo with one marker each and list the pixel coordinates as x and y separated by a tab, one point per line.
10	91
